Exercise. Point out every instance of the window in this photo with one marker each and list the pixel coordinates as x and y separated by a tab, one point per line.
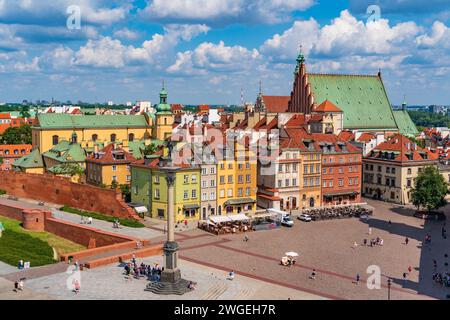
317	181
131	137
157	194
330	184
194	178
356	181
393	170
311	168
247	166
341	170
247	192
222	166
240	166
409	171
213	170
212	183
331	170
203	171
287	182
222	179
305	169
294	182
408	183
350	169
222	193
230	166
114	178
230	179
239	193
294	167
280	183
113	137
114	168
55	140
311	182
305	182
157	178
324	170
128	168
230	193
212	196
194	194
288	168
186	195
317	168
128	178
240	179
341	182
324	184
186	179
388	170
350	181
280	168
248	178
204	184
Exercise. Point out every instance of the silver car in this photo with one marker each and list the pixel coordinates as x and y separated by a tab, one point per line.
304	217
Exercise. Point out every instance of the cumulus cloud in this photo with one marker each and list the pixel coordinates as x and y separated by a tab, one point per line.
38	12
439	37
344	36
126	34
224	11
107	52
214	57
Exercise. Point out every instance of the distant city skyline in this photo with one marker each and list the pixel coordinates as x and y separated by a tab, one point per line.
208	51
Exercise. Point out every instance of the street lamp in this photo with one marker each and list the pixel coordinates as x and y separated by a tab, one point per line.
389	289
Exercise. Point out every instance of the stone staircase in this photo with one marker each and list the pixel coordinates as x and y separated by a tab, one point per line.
179	288
215	292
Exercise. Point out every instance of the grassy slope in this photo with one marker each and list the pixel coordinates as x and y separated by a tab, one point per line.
36	247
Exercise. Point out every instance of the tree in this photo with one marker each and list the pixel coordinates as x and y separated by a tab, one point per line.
126	192
430	190
150	149
17	135
114	184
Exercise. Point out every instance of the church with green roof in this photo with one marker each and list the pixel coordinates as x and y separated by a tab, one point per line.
362	98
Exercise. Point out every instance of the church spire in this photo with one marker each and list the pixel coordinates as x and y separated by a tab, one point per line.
300	60
404	104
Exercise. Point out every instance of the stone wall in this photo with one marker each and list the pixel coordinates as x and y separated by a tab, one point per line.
60	190
11	212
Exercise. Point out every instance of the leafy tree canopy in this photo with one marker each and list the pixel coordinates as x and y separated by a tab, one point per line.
17	135
430	190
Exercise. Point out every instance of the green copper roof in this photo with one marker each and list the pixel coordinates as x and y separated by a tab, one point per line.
66	152
65	168
62	121
405	125
163	107
32	160
362	98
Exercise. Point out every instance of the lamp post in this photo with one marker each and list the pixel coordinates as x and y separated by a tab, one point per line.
389	289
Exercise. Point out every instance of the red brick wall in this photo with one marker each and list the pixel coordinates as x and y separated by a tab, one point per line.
81	234
11	212
59	190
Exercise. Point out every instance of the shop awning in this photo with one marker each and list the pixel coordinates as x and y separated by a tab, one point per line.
141	209
220	219
239	217
235	202
191	207
344	193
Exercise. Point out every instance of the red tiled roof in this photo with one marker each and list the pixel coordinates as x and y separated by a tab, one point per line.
402	148
105	156
346	136
203	107
366	137
327	106
27	148
176	107
276	104
5	116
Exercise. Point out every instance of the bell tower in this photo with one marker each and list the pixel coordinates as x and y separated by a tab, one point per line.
164	117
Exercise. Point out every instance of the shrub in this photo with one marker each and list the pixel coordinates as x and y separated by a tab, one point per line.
2	192
95	215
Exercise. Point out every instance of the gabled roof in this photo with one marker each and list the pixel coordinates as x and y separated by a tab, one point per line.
366	137
66	151
346	135
32	160
327	106
399	148
405	125
107	156
276	104
362	98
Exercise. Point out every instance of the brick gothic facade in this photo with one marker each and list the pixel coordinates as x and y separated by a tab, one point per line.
302	99
60	190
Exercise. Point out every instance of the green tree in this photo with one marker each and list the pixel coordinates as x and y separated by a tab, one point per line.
150	149
17	135
114	184
71	169
430	190
126	192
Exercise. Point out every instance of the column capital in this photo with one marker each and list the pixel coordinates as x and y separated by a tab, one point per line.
170	178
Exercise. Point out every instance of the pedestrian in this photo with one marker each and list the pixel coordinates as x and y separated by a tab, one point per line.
76	265
313	274
90	220
357	278
404	276
365	242
186	223
231	274
406	240
76	286
409	269
370	230
355	244
20	265
245	238
20	285
390	223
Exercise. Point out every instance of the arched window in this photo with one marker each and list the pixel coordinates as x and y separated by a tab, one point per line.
113	137
94	137
55	139
131	137
165	121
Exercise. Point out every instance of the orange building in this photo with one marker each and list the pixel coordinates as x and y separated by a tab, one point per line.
10	152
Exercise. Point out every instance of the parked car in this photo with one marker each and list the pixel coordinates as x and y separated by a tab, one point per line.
304	217
287	221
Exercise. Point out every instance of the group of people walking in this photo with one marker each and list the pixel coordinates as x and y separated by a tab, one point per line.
133	270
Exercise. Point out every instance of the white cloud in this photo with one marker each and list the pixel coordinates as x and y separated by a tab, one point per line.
126	34
440	36
28	67
215	57
111	53
224	11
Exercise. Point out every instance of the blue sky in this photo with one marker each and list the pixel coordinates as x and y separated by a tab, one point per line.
207	50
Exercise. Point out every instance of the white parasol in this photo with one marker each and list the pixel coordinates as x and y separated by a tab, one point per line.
291	254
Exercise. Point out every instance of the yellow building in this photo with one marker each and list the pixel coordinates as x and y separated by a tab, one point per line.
51	128
108	166
31	163
236	181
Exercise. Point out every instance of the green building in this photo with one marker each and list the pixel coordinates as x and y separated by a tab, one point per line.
149	187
